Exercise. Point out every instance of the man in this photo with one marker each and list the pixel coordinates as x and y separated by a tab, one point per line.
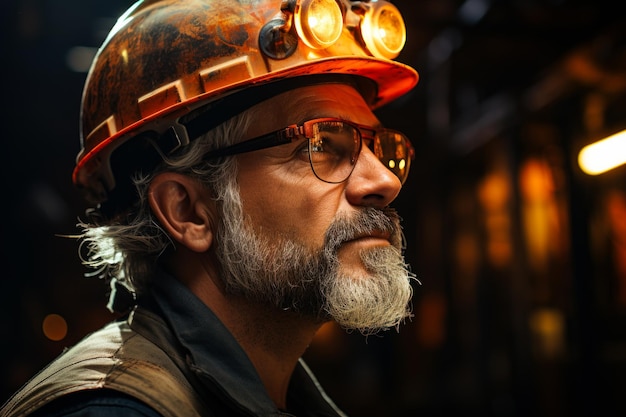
242	186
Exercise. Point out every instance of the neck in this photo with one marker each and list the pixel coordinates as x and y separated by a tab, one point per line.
273	339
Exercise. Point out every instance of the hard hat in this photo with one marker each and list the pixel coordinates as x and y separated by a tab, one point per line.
170	70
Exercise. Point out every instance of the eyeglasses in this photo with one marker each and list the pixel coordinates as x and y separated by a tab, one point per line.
334	146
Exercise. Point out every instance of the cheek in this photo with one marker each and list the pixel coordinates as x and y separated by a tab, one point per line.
302	213
285	198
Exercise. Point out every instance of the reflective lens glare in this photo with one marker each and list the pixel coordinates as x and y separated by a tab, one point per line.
394	151
335	145
318	22
383	30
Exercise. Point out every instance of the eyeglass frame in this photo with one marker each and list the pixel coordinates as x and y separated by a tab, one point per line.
295	132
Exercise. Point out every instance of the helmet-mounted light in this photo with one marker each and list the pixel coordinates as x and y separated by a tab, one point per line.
383	29
320	23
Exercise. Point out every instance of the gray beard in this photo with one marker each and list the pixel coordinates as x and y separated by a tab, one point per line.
287	275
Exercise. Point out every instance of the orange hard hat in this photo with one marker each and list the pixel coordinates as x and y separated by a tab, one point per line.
171	70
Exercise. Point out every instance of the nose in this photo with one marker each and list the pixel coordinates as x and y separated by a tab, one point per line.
371	183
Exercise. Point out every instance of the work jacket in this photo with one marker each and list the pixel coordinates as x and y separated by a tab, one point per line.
174	355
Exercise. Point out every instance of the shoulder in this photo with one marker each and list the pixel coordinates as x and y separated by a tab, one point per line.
97	403
115	370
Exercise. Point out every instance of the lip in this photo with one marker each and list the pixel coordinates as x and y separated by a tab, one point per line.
371	238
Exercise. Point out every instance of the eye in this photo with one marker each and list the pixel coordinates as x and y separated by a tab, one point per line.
302	151
327	146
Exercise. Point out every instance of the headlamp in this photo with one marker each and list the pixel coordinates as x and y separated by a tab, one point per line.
318	22
376	24
383	29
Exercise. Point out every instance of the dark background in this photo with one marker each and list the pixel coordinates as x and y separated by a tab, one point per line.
521	256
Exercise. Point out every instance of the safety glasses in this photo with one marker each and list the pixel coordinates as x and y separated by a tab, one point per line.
334	146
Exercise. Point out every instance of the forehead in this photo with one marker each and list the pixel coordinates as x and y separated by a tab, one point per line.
298	105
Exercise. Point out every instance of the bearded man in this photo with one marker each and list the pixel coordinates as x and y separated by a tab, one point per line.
240	203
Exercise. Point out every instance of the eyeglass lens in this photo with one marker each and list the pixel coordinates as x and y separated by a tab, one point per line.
334	147
333	150
393	151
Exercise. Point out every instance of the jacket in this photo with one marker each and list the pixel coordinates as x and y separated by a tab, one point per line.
174	355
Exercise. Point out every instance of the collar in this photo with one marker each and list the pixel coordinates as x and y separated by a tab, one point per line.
218	361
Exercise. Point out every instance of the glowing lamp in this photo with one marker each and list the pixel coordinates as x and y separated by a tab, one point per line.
318	22
383	30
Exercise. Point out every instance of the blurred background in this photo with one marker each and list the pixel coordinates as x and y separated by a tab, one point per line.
521	254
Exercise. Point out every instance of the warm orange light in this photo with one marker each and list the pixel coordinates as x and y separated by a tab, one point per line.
431	329
383	30
494	194
604	154
318	22
547	327
54	327
541	221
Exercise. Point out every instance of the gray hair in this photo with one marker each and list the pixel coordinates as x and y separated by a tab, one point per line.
127	248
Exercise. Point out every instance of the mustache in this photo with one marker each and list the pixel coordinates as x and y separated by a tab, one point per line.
367	221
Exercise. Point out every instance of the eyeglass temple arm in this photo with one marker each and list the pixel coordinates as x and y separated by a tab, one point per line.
279	137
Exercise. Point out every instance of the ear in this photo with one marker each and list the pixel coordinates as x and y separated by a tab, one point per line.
184	209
